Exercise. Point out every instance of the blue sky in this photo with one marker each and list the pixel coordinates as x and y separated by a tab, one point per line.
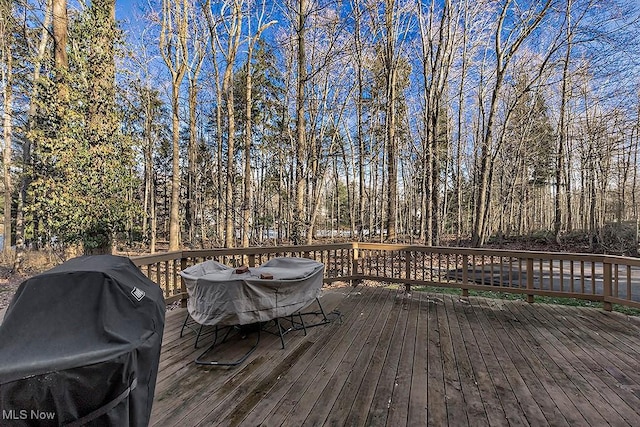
125	9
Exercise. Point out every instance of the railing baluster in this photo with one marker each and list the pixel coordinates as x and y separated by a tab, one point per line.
407	267
510	271
606	286
593	277
520	283
615	280
475	279
491	278
431	266
628	283
540	274
465	274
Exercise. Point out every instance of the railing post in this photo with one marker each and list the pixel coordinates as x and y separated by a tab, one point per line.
407	270
530	298
606	286
465	275
183	286
251	260
354	264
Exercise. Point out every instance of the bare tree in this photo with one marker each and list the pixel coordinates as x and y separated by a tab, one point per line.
175	52
390	74
248	124
212	24
233	26
507	42
298	225
7	29
437	38
198	45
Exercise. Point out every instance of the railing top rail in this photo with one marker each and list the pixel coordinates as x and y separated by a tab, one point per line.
266	249
168	256
157	257
500	252
255	250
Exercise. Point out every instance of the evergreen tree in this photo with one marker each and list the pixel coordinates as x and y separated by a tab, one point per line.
82	163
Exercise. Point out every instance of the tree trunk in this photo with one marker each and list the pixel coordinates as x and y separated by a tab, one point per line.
235	31
219	160
101	120
390	122
173	47
247	198
359	122
190	205
230	175
7	80
298	231
562	129
460	140
174	209
248	181
28	144
60	35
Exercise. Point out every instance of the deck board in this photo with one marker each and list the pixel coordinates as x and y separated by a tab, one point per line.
402	386
522	384
343	403
359	408
612	400
572	372
335	374
427	359
473	405
482	376
436	397
311	397
282	397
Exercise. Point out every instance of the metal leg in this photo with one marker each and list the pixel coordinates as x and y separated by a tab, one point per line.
324	320
184	324
304	328
280	332
198	336
324	316
199	360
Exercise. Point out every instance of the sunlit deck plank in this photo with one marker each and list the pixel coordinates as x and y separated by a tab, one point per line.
432	359
611	400
572	377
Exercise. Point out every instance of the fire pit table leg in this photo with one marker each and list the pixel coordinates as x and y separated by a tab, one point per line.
199	360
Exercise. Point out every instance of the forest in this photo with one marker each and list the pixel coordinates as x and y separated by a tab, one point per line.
164	124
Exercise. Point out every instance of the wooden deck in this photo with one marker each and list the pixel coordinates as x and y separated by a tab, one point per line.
429	359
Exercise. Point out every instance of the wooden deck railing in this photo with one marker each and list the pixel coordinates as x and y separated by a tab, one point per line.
603	278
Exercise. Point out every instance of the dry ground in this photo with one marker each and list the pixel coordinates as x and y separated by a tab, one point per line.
35	262
8	285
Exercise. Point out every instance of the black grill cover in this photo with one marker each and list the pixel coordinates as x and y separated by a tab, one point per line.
80	344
